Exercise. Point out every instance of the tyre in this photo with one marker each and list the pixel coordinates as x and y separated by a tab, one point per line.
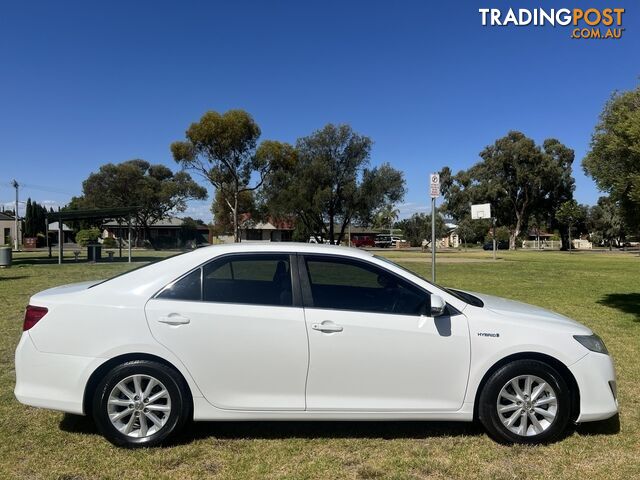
141	404
525	401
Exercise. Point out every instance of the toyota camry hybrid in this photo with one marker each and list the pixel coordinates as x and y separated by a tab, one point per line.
304	332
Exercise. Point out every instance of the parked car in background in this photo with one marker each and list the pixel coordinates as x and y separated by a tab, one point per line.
358	240
500	245
303	332
384	241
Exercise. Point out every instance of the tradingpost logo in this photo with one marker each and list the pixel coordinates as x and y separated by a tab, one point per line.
590	23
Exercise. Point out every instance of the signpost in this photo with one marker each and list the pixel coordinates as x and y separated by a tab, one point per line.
434	187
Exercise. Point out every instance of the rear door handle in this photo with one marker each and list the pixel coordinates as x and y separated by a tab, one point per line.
174	319
327	327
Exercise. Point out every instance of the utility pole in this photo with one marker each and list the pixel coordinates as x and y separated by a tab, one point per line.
15	185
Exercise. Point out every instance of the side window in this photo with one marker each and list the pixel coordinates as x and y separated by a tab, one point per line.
258	279
346	284
187	288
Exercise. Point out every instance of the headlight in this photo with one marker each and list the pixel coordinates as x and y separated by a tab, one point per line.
592	342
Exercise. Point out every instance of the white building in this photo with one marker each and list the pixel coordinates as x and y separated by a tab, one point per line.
7	229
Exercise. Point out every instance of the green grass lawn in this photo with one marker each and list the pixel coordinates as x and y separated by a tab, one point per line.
600	290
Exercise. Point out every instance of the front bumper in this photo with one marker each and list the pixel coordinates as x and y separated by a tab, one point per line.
596	378
50	380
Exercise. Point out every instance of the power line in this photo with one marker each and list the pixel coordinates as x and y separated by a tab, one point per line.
42	188
46	189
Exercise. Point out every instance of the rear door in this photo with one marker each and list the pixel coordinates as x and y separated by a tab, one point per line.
238	326
371	349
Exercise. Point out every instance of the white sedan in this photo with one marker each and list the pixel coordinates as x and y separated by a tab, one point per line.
304	332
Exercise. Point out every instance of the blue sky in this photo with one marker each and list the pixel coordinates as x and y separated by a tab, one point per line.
86	83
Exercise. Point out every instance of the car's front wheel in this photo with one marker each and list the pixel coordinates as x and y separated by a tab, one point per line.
525	401
140	404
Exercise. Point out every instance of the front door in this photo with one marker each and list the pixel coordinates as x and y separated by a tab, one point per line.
370	347
234	325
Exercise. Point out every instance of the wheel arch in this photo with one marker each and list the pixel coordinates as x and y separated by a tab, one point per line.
551	361
100	372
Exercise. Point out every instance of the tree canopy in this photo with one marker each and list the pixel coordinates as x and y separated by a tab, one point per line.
222	216
223	149
155	189
418	228
329	183
571	213
35	221
518	178
614	156
605	223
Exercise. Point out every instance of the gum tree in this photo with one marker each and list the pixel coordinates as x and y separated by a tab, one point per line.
330	183
614	157
224	149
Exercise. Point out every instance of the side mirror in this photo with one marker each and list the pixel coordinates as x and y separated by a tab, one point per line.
437	306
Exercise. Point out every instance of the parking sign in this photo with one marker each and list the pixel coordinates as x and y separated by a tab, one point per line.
435	185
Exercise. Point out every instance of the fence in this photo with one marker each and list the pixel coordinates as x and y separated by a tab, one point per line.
577	244
542	244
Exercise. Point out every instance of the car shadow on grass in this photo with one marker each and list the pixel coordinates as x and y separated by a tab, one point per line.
276	430
625	302
14	277
235	430
610	426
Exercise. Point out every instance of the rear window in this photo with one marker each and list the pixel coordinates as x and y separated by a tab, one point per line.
263	279
136	269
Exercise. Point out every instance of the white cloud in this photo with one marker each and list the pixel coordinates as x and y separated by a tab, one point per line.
22	205
409	208
198	210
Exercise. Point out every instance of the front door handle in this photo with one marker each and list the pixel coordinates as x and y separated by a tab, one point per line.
327	327
174	319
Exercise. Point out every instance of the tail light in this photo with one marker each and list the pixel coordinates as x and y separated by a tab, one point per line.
32	316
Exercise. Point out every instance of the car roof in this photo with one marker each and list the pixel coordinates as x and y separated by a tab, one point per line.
288	247
168	269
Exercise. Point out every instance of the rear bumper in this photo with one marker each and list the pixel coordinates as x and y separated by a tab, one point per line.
596	379
49	380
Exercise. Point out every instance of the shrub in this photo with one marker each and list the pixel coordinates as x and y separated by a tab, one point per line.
109	242
87	237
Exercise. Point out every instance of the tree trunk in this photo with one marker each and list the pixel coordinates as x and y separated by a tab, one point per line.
236	232
331	241
343	227
564	242
513	234
569	238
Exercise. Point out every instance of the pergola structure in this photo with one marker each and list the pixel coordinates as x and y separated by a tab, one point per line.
102	213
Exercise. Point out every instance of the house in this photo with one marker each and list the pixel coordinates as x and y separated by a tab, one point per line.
451	239
167	233
7	229
273	230
269	231
67	233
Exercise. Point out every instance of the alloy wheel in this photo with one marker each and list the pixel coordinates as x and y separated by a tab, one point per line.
527	405
139	406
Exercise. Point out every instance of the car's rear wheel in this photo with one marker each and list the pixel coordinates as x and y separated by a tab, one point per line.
140	404
525	401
